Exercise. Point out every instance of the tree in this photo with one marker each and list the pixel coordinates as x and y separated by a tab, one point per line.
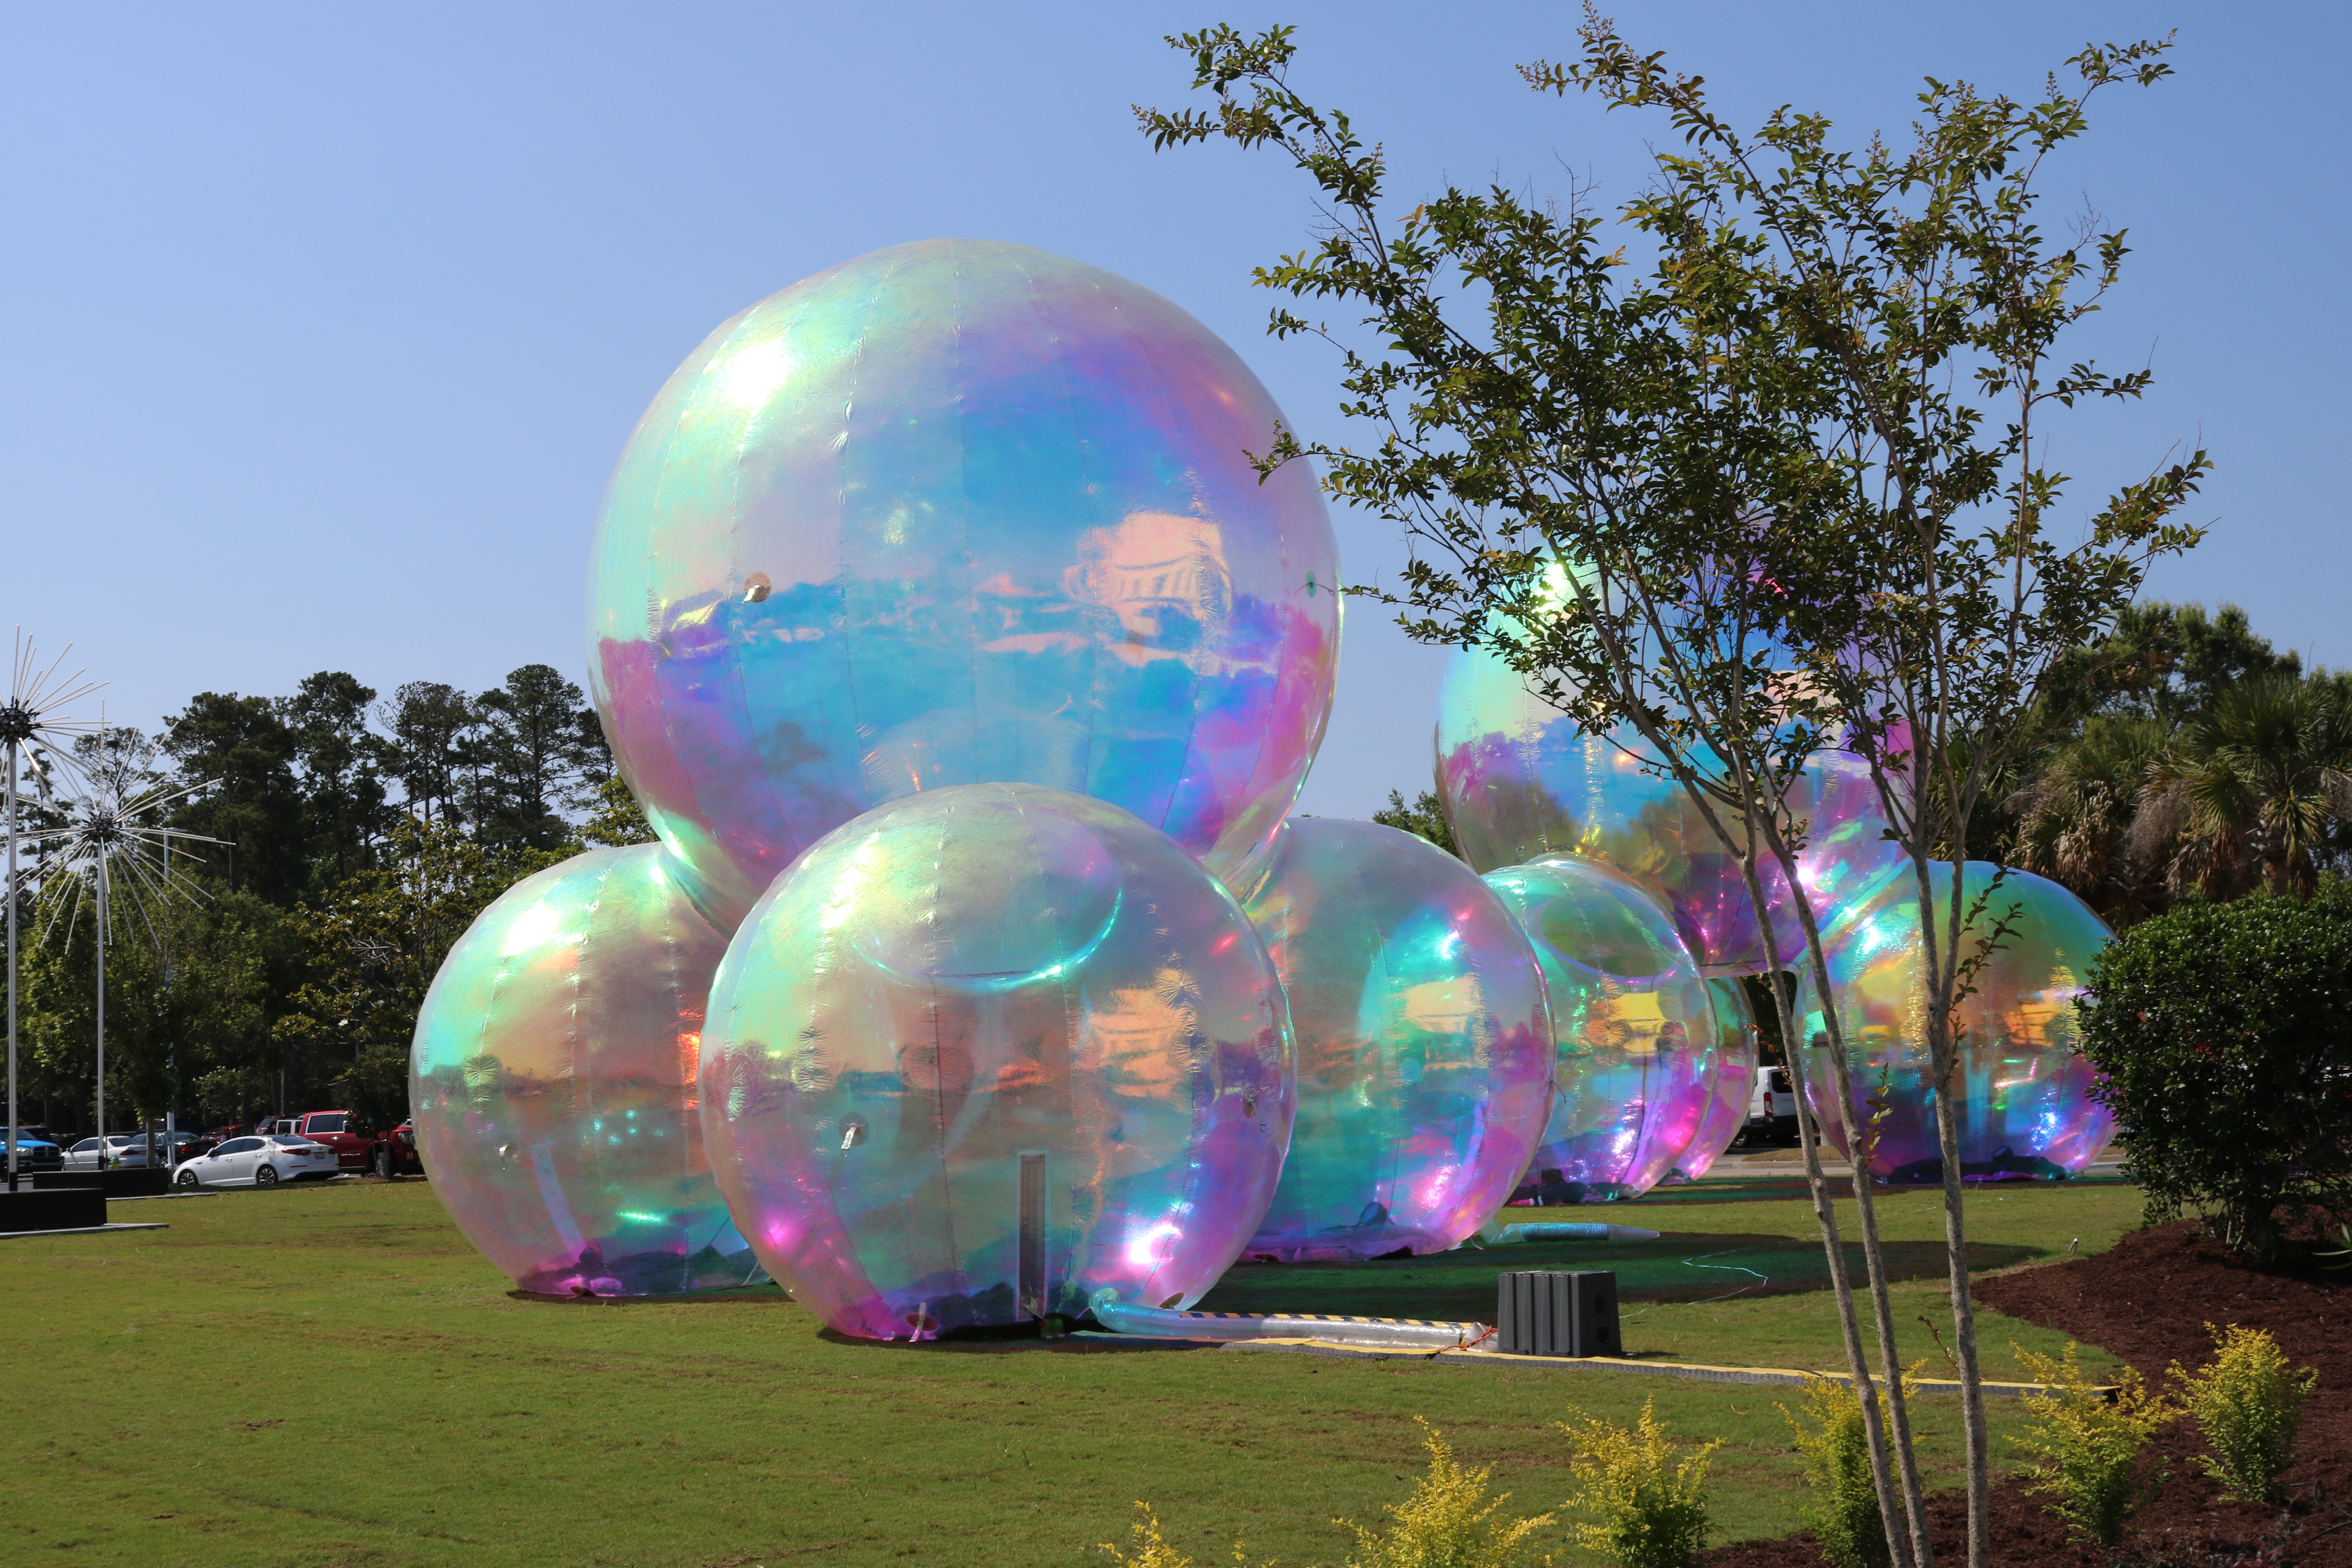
190	985
2224	1035
2248	793
530	756
1425	818
377	940
240	753
340	764
617	818
1777	494
2077	818
428	721
2165	662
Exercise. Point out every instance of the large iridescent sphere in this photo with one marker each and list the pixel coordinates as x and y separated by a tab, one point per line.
553	1080
2024	1096
987	1050
1519	779
956	512
1424	1044
1632	1022
1735	1080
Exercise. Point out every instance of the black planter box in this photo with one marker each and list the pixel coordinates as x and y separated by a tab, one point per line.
134	1183
51	1208
1543	1312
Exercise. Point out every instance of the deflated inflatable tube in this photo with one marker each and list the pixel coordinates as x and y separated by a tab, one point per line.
1567	1230
1122	1318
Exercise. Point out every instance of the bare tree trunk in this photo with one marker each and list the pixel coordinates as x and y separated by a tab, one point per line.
1944	1058
1901	1550
1882	1300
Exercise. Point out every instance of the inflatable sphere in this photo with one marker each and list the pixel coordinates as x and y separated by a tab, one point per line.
987	1050
1520	781
1735	1082
1632	1023
2025	1101
958	512
552	1079
1424	1044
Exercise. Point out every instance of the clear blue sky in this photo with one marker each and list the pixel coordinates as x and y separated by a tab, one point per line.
325	324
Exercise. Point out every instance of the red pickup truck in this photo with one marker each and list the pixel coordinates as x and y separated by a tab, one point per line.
333	1128
389	1154
394	1154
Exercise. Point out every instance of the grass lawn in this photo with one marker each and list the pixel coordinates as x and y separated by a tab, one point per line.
330	1376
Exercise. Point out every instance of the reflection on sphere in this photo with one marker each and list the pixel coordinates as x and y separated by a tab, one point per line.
990	1049
553	1080
1735	1080
1632	1022
958	512
2024	1094
1520	782
1424	1044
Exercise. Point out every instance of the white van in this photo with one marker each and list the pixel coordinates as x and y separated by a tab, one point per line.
1772	1110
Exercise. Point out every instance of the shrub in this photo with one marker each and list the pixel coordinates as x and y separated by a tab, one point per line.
1840	1501
1447	1523
1648	1508
2248	1407
1153	1549
2223	1033
2086	1444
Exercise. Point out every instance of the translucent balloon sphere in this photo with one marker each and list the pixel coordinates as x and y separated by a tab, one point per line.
958	512
2024	1098
553	1080
1735	1080
1520	781
1632	1022
987	1050
1424	1044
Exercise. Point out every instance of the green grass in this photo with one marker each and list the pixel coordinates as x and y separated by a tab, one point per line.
331	1375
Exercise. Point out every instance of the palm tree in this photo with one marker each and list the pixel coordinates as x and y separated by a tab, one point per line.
2247	794
2075	818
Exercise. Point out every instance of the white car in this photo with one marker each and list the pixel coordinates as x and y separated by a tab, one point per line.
258	1163
124	1152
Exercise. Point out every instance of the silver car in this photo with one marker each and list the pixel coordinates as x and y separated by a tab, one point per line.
124	1151
258	1163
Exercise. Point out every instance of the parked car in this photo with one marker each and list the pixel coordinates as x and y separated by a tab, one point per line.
124	1151
1772	1110
34	1153
170	1148
395	1153
333	1128
258	1163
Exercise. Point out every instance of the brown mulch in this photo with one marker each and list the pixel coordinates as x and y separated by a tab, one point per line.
2148	1301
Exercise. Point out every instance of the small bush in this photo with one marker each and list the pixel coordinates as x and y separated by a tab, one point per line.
1447	1523
2085	1443
1648	1507
2222	1034
2248	1407
1153	1549
1841	1502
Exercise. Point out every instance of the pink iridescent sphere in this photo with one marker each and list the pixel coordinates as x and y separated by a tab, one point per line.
1632	1022
990	1049
2024	1096
954	513
553	1083
1424	1043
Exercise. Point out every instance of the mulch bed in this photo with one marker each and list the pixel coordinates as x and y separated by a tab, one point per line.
2148	1301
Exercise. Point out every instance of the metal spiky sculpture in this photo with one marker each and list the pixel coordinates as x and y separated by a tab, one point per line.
108	842
33	713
